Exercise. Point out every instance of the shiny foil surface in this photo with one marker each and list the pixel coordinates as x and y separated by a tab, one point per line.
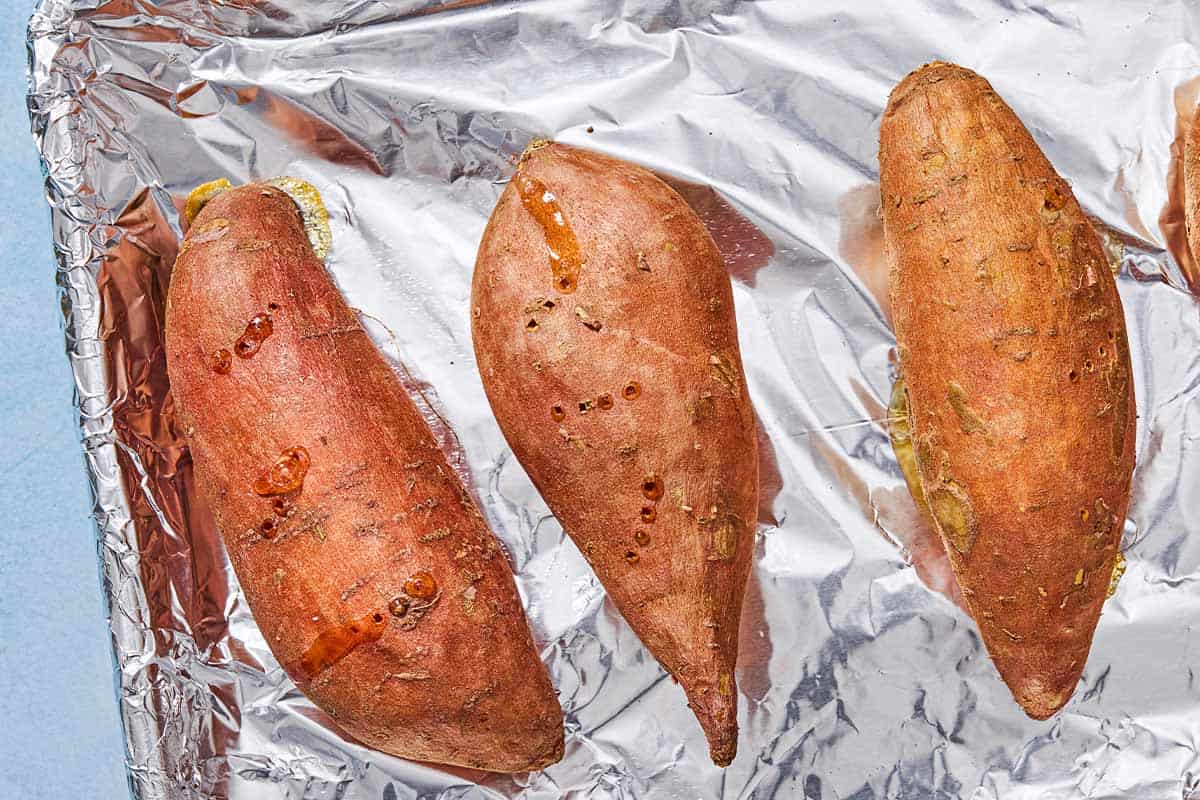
859	675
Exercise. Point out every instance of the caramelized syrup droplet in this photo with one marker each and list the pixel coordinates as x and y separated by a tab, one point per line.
222	361
604	401
260	326
267	529
281	506
542	205
632	390
257	330
246	347
642	538
398	607
333	645
421	585
632	556
649	514
652	487
286	475
557	414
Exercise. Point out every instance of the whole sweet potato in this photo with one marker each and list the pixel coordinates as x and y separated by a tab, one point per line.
367	566
1016	374
604	329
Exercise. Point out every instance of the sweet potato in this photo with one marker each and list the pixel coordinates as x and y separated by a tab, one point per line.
604	330
368	568
1191	186
1015	365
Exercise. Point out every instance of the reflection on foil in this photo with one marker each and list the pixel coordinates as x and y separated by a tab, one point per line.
860	242
860	677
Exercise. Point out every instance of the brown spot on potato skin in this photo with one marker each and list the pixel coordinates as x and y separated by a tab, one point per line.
968	419
951	510
1053	442
670	334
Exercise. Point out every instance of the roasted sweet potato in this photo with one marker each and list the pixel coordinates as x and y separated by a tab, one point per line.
368	568
1191	186
604	329
1016	374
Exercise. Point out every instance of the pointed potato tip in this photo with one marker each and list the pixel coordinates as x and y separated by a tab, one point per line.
542	741
716	711
933	72
1040	699
551	754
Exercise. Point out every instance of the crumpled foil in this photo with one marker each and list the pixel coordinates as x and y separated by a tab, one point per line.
859	676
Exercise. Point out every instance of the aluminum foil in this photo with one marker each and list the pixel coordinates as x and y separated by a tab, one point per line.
859	676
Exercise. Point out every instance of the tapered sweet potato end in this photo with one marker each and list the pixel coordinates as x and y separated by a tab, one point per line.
918	79
1040	690
718	720
504	749
541	744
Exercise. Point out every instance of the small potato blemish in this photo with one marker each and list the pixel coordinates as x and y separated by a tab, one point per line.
951	509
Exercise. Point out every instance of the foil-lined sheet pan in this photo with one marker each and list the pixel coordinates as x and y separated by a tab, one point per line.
859	676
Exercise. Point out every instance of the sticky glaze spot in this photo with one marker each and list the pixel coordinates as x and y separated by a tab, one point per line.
649	514
199	197
631	390
563	247
1054	199
313	213
557	413
332	645
286	475
631	556
604	402
257	330
260	326
222	362
1117	573
421	585
245	348
642	538
900	433
652	487
267	529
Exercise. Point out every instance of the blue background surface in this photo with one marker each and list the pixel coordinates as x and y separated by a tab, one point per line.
59	731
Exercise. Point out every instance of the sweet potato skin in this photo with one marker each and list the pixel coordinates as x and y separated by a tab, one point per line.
1191	186
1013	348
459	683
628	387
